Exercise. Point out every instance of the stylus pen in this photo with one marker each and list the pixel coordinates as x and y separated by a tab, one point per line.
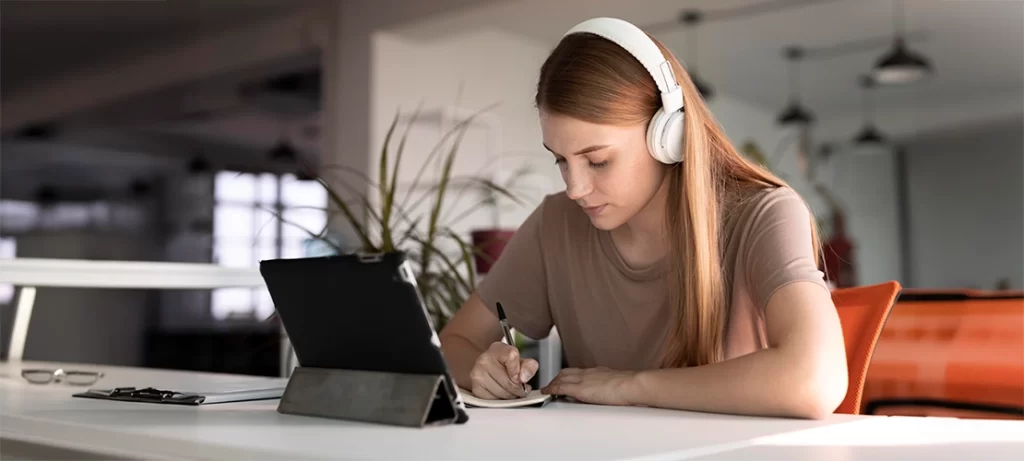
508	332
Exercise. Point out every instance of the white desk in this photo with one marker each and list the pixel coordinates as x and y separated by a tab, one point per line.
891	438
35	418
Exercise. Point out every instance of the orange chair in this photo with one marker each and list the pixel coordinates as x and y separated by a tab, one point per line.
862	312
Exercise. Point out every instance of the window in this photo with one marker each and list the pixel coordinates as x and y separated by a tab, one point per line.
246	230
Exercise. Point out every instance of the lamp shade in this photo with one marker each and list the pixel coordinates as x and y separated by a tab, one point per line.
869	136
900	66
795	114
283	152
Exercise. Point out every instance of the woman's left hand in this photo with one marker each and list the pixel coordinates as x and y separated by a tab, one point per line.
601	385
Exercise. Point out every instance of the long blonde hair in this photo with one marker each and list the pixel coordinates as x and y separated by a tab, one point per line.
592	79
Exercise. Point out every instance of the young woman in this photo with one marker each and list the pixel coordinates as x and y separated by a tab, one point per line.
679	274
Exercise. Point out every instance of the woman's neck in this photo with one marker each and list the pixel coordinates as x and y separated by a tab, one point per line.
642	241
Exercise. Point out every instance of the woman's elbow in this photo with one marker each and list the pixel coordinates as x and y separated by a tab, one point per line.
818	389
822	390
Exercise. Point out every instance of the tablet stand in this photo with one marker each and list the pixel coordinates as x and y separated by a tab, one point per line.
400	399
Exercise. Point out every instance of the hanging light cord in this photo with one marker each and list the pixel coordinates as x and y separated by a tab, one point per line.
693	49
898	21
794	55
868	109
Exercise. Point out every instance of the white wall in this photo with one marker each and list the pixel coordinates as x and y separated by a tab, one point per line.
966	196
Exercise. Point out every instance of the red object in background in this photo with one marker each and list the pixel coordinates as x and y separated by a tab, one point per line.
490	243
837	257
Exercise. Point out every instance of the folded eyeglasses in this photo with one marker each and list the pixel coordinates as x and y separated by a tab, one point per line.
60	375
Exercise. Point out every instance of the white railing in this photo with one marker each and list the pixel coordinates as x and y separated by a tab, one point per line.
30	274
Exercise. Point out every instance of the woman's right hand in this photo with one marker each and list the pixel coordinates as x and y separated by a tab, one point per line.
499	373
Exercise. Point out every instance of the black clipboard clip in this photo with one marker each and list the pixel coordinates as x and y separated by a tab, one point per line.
146	394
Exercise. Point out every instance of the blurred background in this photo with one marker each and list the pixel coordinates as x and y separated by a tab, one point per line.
196	131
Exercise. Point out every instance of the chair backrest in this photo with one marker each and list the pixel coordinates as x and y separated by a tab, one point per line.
862	312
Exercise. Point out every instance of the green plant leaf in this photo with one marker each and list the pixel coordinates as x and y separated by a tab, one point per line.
467	257
430	251
347	212
307	231
435	212
386	243
437	149
473	182
347	169
409	232
389	191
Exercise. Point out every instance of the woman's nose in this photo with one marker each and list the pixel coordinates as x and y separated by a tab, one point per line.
577	185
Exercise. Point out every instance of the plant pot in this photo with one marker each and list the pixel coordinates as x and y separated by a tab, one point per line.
489	244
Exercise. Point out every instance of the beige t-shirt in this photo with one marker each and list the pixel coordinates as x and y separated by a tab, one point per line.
559	270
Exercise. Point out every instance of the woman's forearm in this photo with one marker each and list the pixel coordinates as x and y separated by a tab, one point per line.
461	354
766	383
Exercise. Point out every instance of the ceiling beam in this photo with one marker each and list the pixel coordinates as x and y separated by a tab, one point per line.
216	54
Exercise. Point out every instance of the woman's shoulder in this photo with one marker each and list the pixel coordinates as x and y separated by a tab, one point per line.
755	201
753	209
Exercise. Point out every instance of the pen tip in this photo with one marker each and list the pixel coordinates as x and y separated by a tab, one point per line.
501	312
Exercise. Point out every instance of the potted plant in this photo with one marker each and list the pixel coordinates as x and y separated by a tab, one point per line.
442	259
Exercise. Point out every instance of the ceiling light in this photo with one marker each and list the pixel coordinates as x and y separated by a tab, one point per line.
900	65
869	138
283	152
794	113
198	165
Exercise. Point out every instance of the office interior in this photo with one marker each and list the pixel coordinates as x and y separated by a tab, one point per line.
205	132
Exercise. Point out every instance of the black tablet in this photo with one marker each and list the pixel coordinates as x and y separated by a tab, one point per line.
356	312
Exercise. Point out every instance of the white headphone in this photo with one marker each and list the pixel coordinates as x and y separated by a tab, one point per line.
665	132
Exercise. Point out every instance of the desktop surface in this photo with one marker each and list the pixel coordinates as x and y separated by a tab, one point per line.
255	430
47	416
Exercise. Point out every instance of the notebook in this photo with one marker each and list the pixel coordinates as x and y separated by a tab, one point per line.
534	399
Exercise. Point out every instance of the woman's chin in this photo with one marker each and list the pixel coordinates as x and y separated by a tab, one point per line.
605	223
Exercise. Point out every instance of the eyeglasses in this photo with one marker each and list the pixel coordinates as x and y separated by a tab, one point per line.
77	378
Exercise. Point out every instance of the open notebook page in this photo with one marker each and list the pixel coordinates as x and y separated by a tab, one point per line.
534	399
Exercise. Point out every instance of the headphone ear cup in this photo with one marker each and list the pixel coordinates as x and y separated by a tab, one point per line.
674	136
665	137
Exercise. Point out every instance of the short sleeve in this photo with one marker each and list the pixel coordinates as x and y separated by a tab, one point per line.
518	279
779	249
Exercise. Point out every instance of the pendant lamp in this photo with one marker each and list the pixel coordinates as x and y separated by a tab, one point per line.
794	114
869	138
900	65
283	152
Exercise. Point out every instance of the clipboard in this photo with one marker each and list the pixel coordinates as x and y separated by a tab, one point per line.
153	395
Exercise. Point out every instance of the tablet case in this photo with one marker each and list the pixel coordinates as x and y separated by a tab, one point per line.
364	341
400	399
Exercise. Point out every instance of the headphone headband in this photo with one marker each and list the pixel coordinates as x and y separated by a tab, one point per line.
637	43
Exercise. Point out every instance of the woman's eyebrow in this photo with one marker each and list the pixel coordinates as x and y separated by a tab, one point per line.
585	150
